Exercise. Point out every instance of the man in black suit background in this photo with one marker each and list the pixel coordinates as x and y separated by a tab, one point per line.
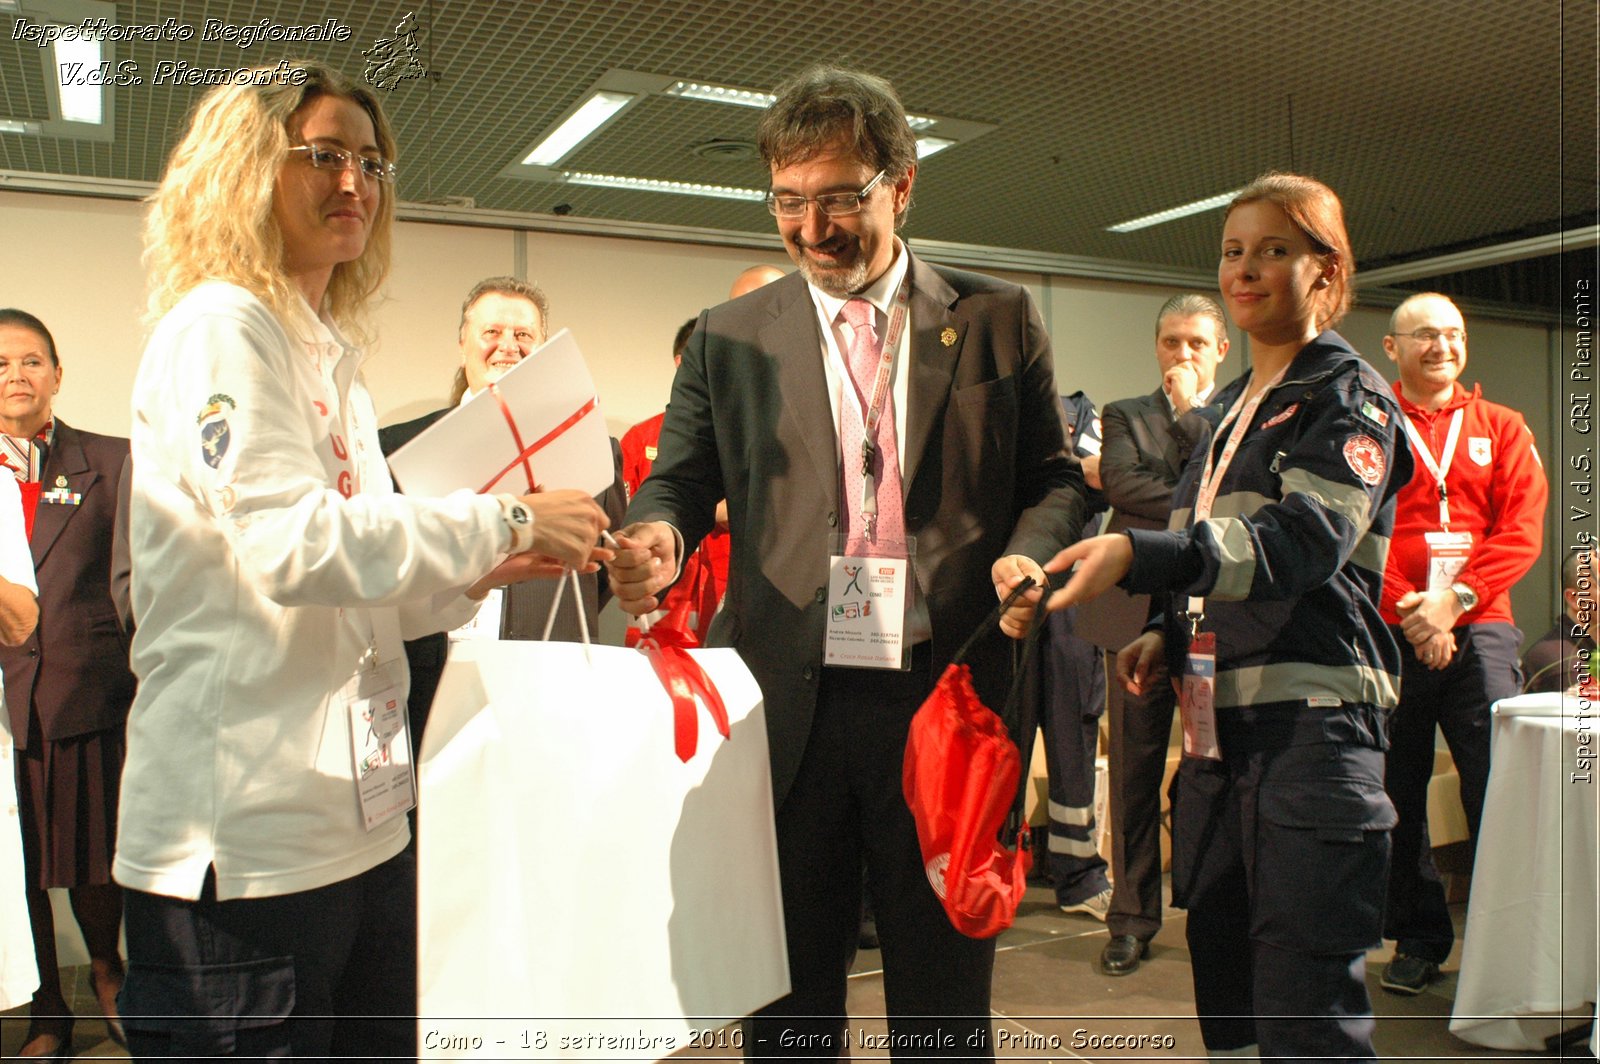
966	471
502	320
1146	442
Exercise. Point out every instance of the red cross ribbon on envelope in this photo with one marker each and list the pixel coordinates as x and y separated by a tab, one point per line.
526	452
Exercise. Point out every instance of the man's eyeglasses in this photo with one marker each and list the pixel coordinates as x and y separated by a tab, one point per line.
326	158
1428	336
833	204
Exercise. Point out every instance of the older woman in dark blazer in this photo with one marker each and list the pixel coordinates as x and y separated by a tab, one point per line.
68	686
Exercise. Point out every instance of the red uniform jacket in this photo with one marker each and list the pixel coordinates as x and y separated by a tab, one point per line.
1496	490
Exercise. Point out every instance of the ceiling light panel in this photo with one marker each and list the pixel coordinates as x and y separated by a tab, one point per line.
600	107
1174	213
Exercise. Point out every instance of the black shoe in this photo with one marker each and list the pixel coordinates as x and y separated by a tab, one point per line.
1408	975
1123	954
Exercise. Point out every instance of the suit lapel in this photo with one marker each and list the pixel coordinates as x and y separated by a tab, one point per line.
1158	424
66	461
793	338
931	359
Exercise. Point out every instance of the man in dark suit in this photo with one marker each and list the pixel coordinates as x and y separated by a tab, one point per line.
773	389
502	320
1147	441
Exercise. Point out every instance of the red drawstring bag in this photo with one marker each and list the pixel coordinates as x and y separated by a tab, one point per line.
962	774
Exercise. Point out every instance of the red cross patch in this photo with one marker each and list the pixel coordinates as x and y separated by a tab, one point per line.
1364	455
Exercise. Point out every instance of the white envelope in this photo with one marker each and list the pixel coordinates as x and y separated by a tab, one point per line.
541	417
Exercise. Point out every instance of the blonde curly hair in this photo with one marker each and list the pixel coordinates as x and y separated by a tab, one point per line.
211	217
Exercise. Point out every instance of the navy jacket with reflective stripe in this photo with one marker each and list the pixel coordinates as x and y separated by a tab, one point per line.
1291	561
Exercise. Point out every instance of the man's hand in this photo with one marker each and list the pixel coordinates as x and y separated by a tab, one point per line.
1102	561
1091	470
1425	614
646	562
1142	663
1181	383
1438	651
1007	573
566	526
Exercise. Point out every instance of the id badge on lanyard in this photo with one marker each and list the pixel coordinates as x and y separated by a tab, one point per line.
1197	698
1447	556
380	743
868	599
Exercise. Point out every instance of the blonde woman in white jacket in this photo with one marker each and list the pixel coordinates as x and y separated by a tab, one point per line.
271	898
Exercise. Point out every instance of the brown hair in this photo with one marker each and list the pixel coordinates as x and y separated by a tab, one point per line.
1315	209
826	104
1193	305
23	320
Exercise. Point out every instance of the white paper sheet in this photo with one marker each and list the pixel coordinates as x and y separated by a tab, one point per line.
551	399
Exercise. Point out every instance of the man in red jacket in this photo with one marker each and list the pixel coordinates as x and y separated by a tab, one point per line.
1467	527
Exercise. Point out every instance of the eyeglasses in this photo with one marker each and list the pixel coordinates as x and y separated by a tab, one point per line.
1428	336
833	204
326	158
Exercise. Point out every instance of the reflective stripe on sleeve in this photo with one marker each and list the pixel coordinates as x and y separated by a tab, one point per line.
1236	558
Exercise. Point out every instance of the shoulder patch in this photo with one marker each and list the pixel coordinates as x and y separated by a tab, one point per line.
214	433
1375	415
1364	456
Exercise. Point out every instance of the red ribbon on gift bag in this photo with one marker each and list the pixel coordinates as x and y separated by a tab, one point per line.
667	644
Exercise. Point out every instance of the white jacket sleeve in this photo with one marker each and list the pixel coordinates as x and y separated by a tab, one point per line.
261	459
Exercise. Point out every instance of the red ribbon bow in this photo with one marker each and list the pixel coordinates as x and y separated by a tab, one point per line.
668	648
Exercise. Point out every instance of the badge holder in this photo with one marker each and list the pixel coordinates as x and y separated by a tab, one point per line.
1447	556
380	743
1197	695
870	597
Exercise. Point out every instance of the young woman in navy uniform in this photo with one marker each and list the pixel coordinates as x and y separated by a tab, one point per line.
1271	578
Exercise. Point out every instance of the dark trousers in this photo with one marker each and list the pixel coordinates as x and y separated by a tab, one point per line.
1141	729
1279	855
847	808
1457	699
329	972
1072	698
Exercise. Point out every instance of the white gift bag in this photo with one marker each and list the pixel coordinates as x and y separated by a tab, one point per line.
583	893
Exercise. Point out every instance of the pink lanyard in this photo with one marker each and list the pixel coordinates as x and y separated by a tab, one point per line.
1216	468
880	398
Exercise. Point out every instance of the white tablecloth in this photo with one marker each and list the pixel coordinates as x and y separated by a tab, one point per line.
1530	950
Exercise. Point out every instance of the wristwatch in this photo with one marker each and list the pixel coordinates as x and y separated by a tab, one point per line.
519	520
1467	596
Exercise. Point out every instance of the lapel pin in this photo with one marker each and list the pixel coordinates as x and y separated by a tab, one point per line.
948	337
61	481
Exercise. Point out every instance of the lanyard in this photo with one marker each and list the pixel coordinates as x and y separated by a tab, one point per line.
880	399
1215	469
1440	470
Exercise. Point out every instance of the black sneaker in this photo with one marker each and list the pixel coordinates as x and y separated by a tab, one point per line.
1408	975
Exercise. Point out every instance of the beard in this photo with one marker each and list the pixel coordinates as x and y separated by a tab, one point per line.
842	281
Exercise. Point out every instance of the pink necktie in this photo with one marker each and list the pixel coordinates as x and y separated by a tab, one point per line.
862	358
